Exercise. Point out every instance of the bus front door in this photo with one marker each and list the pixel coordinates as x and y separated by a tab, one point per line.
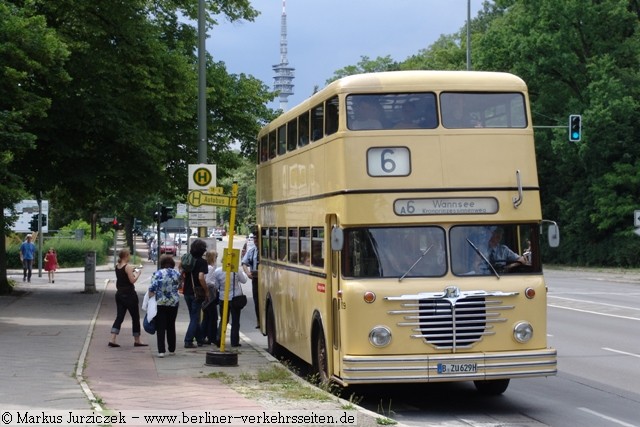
334	286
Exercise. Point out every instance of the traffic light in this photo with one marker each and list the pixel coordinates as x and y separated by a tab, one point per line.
44	220
33	224
575	127
166	213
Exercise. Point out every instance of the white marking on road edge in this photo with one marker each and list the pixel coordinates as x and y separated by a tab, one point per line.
605	417
621	352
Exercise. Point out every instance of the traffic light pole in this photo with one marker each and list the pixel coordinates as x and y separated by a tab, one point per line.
40	235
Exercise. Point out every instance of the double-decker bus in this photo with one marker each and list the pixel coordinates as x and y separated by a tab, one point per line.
400	231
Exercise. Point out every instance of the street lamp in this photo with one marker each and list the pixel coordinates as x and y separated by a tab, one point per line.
468	35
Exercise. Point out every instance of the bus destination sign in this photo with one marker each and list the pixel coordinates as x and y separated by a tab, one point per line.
446	206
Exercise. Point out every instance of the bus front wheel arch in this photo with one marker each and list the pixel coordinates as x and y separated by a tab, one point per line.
320	355
272	343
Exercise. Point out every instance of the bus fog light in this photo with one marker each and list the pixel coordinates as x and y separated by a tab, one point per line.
523	332
380	336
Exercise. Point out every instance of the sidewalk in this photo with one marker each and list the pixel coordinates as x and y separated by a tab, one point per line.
54	347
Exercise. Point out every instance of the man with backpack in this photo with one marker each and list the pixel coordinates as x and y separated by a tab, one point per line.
250	263
195	290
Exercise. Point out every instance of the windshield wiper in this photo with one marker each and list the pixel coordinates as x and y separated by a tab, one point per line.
479	252
415	263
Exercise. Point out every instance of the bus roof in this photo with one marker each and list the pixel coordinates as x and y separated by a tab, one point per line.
415	80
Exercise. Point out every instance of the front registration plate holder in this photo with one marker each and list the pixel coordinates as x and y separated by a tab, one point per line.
457	368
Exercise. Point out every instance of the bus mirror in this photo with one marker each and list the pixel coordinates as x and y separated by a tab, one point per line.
554	235
337	238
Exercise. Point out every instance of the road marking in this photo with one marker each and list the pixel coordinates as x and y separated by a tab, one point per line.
596	302
608	418
594	312
621	352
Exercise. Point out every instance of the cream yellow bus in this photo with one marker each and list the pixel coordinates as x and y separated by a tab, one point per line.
400	231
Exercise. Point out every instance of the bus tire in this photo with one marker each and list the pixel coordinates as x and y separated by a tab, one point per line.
320	357
272	344
492	387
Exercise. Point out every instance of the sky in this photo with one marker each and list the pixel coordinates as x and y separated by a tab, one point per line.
326	35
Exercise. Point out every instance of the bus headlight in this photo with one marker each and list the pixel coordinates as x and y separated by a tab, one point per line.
523	332
380	336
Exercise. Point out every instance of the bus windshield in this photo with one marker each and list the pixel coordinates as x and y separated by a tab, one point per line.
494	249
394	252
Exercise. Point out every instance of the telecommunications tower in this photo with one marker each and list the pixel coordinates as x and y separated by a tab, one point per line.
283	80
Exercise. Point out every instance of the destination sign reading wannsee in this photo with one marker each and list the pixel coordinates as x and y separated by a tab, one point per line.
446	206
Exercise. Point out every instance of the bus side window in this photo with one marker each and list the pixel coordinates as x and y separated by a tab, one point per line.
264	242
317	122
273	243
282	244
292	135
282	139
317	246
303	129
331	116
305	246
293	245
264	148
272	144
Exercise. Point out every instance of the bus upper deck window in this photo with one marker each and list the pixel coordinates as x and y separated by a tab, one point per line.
292	135
365	112
331	116
282	139
317	122
483	110
303	129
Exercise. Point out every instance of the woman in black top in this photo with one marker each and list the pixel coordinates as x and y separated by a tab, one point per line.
194	304
126	299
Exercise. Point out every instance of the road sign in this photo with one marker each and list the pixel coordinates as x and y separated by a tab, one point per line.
230	260
636	218
199	198
202	176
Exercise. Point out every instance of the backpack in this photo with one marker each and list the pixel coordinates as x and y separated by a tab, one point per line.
188	262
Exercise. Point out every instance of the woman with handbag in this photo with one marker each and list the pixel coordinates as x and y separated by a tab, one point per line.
209	323
237	301
195	292
165	283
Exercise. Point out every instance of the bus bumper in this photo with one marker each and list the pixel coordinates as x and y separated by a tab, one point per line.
436	368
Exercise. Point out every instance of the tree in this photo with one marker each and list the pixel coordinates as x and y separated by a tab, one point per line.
366	65
574	61
31	60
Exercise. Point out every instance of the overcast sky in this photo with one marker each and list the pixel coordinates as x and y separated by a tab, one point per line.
326	35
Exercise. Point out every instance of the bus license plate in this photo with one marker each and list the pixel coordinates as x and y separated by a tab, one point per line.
457	368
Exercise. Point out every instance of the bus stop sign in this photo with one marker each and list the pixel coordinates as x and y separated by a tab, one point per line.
636	218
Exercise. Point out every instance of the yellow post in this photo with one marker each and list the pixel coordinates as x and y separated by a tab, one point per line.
229	264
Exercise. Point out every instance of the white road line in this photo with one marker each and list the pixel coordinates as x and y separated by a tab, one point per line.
595	302
621	352
593	312
605	417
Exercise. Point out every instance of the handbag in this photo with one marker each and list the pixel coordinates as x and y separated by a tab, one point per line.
149	326
198	292
238	301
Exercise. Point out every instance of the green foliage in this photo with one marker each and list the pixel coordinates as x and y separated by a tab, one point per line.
71	253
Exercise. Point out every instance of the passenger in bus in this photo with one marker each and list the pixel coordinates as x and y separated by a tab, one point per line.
367	113
410	116
455	114
501	257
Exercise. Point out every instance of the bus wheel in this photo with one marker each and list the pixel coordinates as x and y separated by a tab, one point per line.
321	365
492	387
272	345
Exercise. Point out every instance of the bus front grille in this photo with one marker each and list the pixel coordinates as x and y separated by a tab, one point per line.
452	319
